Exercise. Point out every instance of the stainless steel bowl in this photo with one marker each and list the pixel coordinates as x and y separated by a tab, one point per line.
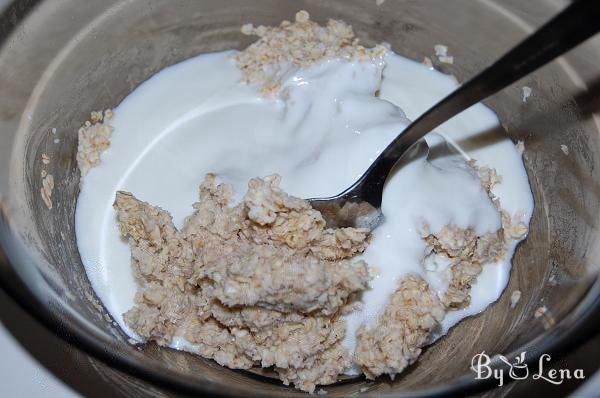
61	59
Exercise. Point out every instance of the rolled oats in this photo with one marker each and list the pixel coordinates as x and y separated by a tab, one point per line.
94	139
300	44
257	284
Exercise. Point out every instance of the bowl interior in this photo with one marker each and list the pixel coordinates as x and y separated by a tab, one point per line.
65	59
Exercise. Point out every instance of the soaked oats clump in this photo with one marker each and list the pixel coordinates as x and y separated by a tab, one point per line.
94	139
257	284
297	44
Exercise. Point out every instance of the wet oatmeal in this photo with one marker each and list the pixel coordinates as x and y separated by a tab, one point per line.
94	139
263	282
300	44
257	284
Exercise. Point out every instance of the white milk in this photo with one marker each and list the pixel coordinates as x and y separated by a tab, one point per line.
196	117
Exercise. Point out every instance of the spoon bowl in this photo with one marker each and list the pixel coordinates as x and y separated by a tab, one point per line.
349	209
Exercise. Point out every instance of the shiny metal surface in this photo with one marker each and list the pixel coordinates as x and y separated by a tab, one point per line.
60	59
353	209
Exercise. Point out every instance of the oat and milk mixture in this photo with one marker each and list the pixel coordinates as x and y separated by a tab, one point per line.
260	281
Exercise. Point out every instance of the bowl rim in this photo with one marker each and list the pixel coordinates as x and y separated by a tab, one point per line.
582	323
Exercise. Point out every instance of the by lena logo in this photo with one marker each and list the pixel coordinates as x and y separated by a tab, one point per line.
518	369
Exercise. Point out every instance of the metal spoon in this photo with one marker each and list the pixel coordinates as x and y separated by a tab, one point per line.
360	205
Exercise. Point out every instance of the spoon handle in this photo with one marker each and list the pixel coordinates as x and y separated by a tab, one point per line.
576	23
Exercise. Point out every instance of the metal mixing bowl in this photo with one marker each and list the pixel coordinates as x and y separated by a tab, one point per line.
61	59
